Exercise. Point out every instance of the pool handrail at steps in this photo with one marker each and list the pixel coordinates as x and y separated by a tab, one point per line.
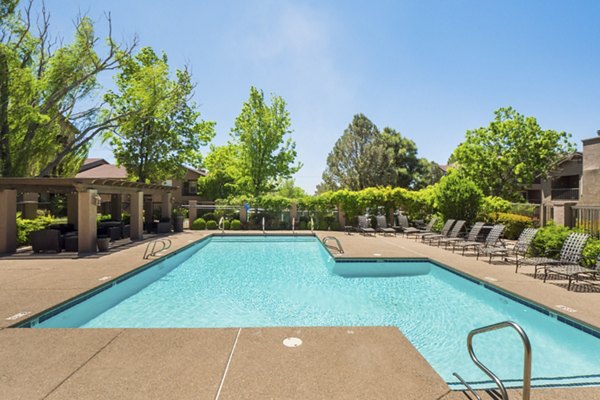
526	361
338	244
166	244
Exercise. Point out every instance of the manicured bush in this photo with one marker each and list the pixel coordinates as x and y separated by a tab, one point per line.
549	239
235	225
209	216
302	225
514	223
226	224
322	225
458	197
211	225
26	226
199	224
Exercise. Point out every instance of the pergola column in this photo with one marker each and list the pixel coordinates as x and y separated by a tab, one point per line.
116	206
72	206
87	210
166	205
193	212
30	205
136	206
8	221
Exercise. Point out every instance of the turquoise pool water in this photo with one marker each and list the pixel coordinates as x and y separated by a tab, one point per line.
292	281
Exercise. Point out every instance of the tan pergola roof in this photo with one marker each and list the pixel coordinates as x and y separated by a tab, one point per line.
69	185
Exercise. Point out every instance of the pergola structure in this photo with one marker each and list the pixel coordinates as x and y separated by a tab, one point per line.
83	199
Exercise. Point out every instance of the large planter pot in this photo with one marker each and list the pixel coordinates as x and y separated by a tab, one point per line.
178	224
103	244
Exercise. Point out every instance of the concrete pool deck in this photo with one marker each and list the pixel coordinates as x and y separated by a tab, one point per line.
338	362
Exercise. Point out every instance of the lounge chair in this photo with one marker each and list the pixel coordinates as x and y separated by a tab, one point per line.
444	232
519	249
453	234
492	241
382	226
415	231
364	226
469	240
574	272
570	254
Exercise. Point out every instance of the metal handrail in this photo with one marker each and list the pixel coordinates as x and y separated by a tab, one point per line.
222	224
312	225
294	225
339	245
263	225
526	360
166	244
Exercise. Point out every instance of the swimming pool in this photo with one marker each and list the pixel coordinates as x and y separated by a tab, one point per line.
262	281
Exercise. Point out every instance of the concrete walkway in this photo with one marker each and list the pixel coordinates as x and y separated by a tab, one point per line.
332	363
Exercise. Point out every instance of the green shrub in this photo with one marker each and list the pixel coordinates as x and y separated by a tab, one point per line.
226	224
322	225
591	252
514	223
209	216
199	224
458	197
211	225
26	226
493	205
335	226
235	225
549	239
302	225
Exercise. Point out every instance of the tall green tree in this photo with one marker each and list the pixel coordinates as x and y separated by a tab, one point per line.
224	171
509	153
160	130
289	190
366	157
263	135
48	116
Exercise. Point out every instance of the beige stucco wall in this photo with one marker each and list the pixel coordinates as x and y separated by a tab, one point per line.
590	193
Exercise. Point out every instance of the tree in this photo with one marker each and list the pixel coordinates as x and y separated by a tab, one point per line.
458	197
48	118
267	152
289	190
222	163
365	157
160	129
510	153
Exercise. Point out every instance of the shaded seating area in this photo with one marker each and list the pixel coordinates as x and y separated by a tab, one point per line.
82	232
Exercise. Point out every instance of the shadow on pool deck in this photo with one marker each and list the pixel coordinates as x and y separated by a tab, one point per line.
332	363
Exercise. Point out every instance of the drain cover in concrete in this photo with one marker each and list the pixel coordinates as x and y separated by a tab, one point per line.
292	342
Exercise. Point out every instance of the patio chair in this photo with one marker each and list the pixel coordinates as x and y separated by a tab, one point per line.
46	240
363	226
444	232
415	231
519	249
570	254
469	240
492	241
382	226
453	234
574	272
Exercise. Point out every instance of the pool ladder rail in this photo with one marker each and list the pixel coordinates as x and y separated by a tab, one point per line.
151	249
338	247
497	381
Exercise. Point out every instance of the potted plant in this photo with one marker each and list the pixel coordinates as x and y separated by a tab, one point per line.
179	214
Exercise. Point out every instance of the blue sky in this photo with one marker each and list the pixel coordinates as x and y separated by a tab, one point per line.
430	69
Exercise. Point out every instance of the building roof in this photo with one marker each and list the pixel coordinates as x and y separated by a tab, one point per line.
100	168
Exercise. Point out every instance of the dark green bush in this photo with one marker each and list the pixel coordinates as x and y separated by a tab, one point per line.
26	226
211	225
209	216
458	197
226	224
302	225
235	225
335	226
549	240
322	225
199	224
591	252
514	223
